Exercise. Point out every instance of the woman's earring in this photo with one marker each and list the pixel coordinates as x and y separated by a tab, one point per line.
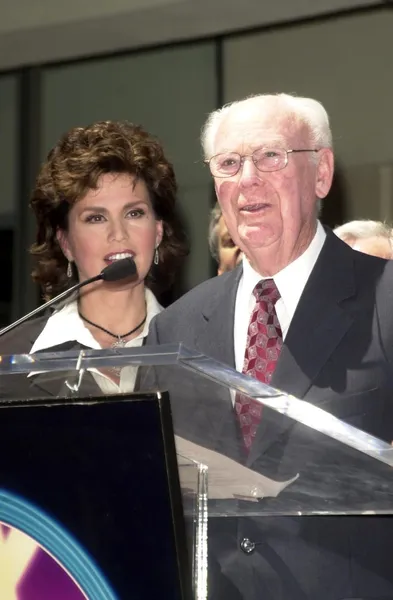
156	257
69	270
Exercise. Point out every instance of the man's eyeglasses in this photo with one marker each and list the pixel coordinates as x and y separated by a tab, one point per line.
228	164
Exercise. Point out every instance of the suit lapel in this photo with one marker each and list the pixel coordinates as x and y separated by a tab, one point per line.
214	338
320	320
215	334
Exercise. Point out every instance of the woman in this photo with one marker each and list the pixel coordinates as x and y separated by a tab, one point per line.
104	193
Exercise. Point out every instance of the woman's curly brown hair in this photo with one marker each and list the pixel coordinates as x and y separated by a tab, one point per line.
74	166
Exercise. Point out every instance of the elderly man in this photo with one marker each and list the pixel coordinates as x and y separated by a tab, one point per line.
371	237
272	161
222	247
303	312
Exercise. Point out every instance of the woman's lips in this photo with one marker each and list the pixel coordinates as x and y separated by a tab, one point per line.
119	255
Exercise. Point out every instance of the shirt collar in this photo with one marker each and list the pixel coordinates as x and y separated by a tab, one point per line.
291	280
65	325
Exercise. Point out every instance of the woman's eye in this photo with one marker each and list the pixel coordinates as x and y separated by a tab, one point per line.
136	212
94	219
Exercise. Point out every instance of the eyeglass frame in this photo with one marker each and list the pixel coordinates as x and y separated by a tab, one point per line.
244	156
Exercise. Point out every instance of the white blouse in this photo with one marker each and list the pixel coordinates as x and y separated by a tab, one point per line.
65	325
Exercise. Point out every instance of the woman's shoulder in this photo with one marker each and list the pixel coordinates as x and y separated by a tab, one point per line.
21	339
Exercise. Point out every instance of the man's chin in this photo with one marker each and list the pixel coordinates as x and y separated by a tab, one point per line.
256	236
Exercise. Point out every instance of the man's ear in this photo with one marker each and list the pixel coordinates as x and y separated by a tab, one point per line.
325	170
62	239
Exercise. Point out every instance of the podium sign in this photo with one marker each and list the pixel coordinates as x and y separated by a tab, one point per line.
90	501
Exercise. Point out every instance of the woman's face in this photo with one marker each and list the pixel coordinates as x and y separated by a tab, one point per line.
111	222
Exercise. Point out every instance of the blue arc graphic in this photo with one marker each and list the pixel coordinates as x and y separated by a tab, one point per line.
33	521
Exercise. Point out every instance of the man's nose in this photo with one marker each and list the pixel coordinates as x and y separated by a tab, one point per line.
249	174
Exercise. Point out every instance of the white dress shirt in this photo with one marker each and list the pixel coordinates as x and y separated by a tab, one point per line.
65	325
290	283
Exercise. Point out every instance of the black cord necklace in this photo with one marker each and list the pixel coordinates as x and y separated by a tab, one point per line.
120	341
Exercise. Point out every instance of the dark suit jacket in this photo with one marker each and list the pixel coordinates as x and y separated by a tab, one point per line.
338	354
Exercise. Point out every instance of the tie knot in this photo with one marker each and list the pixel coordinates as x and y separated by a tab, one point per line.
266	290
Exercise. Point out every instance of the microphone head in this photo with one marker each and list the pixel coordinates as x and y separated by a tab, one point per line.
119	269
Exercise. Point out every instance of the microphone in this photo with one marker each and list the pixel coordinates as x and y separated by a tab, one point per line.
120	269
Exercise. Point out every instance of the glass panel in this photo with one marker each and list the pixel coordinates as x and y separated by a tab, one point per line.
193	481
304	460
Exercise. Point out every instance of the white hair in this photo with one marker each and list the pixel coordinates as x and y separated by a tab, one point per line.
363	230
306	110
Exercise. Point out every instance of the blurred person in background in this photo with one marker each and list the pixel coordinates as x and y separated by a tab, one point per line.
222	247
370	237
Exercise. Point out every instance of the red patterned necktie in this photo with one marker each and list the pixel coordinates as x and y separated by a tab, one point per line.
263	346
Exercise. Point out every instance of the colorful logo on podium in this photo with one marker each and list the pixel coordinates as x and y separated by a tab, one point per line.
40	560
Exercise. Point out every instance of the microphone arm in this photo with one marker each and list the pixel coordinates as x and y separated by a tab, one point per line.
115	271
64	294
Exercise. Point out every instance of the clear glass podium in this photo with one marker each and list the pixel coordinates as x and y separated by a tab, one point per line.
171	402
